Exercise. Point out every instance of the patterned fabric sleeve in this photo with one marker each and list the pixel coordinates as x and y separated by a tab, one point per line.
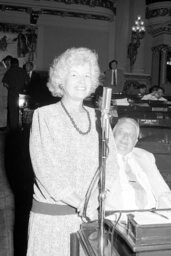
53	182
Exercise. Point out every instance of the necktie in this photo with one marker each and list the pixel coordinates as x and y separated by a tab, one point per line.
140	194
112	77
28	77
115	77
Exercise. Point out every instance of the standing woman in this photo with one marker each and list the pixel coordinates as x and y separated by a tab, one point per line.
64	149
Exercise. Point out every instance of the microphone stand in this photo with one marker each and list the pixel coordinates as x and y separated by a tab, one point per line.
105	139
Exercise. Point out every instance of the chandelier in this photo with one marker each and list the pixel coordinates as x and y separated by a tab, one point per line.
137	33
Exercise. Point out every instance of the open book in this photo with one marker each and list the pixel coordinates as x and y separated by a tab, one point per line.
147	217
143	230
153	217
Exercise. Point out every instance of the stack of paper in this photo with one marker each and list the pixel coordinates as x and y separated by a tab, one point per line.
122	102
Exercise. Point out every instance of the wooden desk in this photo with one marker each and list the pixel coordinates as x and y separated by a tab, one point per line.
120	247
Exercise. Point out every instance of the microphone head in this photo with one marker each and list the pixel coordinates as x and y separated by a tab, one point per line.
106	100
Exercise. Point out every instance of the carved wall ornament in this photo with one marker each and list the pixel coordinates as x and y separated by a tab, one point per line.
160	47
153	13
26	39
158	29
137	34
3	43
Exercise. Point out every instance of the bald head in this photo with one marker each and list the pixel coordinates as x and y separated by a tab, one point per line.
126	132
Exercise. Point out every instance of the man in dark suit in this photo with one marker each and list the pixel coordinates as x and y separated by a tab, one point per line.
14	80
33	84
114	77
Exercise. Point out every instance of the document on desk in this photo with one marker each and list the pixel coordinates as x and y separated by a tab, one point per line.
143	230
152	217
149	217
122	102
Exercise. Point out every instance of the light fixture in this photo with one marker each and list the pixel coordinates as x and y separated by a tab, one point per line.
169	62
34	15
137	33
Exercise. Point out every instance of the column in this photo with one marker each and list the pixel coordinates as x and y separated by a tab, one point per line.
122	33
155	65
138	66
163	66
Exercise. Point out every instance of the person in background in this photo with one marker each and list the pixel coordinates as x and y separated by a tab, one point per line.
151	94
113	77
142	88
33	83
14	80
7	62
29	68
111	74
36	86
4	66
160	93
156	93
167	87
130	89
3	99
139	184
64	150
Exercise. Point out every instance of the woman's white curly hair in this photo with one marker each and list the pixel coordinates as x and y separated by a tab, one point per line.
62	64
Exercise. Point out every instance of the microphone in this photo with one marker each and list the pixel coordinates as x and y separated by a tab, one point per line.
105	109
106	100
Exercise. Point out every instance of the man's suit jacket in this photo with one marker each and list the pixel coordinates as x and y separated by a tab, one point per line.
160	189
34	86
118	86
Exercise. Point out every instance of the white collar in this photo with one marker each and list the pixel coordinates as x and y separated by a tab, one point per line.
127	156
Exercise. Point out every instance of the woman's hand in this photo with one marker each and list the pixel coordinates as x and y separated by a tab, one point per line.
80	207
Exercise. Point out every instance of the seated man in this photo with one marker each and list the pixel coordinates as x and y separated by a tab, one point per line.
142	88
138	183
152	93
160	94
156	93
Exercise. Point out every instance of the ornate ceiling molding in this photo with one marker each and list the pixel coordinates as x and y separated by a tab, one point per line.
159	29
87	9
161	47
158	12
158	18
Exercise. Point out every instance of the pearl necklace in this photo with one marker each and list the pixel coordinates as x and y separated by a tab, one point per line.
73	122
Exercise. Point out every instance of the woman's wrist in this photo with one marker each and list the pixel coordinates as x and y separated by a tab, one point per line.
80	207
